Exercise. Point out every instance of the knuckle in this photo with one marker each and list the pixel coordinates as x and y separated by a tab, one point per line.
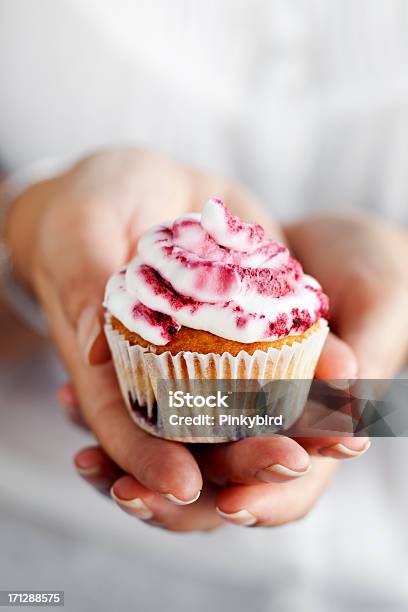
151	467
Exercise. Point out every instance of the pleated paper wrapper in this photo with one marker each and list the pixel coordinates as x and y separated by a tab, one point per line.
140	371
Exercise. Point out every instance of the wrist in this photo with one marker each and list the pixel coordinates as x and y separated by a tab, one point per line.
21	228
17	257
21	205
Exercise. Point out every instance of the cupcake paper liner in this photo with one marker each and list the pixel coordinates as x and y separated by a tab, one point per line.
140	373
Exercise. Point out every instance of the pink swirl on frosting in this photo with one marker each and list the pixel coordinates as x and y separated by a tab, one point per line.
213	272
230	231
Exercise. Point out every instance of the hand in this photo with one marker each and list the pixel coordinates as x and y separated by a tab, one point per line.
261	504
264	505
361	261
67	235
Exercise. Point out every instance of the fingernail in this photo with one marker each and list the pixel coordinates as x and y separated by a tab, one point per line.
242	517
341	384
181	502
88	331
339	451
270	474
136	506
67	397
87	472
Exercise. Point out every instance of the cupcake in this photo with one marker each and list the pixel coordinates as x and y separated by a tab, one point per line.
210	298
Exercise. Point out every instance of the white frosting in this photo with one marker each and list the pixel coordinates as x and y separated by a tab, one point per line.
216	274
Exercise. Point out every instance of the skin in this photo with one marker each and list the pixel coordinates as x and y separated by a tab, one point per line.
68	234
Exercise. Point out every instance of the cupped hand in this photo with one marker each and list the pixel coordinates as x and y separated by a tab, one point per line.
265	481
262	505
361	261
67	235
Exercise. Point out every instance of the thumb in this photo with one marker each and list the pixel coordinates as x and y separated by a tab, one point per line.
91	339
378	333
337	360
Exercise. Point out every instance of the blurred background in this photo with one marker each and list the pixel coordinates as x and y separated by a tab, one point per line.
304	101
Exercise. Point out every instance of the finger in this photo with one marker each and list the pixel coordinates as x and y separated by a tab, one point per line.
372	334
276	458
136	500
275	504
66	396
253	460
91	338
94	466
369	294
337	447
160	465
330	432
337	360
68	399
99	471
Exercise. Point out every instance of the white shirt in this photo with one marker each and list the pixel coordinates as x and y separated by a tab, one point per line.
305	101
